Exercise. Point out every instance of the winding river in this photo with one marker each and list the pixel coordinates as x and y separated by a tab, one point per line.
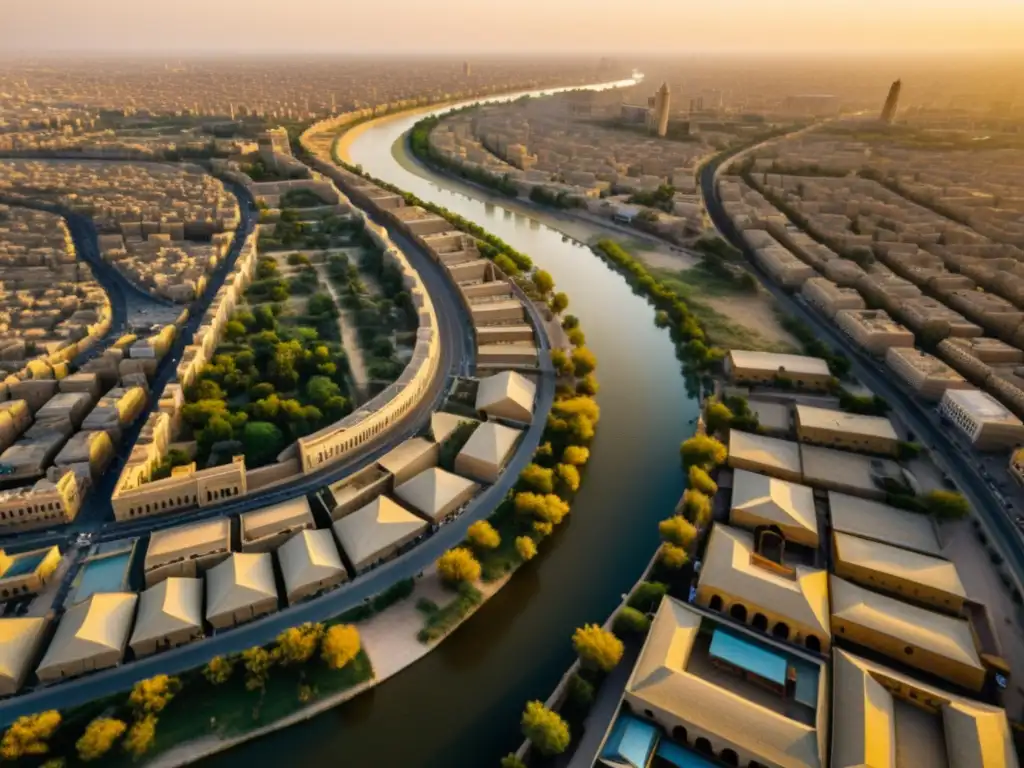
459	707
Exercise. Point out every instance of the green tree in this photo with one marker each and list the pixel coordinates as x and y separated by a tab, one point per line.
583	360
701	481
458	566
703	451
262	441
647	596
321	389
257	662
540	479
677	530
577	338
296	645
234	330
525	548
28	735
140	737
545	729
150	696
946	505
482	535
218	670
597	648
100	735
696	507
587	385
562	364
543	281
340	645
718	418
559	303
630	621
672	556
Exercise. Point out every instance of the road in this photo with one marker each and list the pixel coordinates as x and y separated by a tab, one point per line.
919	417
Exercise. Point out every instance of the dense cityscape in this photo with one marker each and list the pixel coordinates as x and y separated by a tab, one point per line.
605	410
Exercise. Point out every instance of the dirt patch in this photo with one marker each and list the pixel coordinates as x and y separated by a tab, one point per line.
757	314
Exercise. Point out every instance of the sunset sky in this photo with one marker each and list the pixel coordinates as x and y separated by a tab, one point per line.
528	27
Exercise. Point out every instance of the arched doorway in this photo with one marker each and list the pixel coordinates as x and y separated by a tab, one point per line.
813	643
729	757
760	622
703	746
679	734
781	631
738	611
770	543
715	603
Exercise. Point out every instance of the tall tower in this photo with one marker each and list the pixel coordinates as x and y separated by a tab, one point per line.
661	105
467	70
892	103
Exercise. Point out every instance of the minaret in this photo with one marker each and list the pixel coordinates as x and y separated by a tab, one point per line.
892	103
661	105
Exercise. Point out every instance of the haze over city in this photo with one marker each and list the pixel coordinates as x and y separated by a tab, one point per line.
528	27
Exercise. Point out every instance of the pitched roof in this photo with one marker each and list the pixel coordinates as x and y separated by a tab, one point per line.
847	423
777	362
864	733
661	677
728	567
398	458
267	521
900	563
244	579
375	527
168	607
506	394
491	443
95	626
183	540
19	638
880	522
432	490
309	557
774	501
935	632
765	451
443	424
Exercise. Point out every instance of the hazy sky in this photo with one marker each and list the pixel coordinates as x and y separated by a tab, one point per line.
526	26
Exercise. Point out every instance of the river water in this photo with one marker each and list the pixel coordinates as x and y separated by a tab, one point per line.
459	707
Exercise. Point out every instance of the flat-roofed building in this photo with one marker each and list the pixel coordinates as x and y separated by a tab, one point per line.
65	407
838	429
187	550
488	449
410	458
773	419
986	422
926	374
91	635
21	639
760	500
240	589
921	578
846	472
749	367
767	455
93	449
507	395
310	564
170	614
789	602
377	532
443	425
26	573
436	494
934	642
880	522
887	718
264	530
724	691
831	298
873	330
358	490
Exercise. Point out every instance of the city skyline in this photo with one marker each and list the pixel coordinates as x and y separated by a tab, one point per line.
570	27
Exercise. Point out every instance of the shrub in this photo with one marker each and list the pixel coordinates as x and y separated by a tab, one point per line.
545	729
696	506
647	596
597	648
525	548
673	557
701	481
677	530
296	645
340	645
100	735
577	455
140	737
218	670
28	735
458	566
569	476
483	536
702	451
630	621
538	478
149	697
580	693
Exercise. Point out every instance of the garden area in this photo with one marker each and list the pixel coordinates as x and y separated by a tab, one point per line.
294	230
280	372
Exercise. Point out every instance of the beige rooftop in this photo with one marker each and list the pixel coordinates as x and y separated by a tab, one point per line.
935	632
768	452
880	522
661	679
432	491
443	424
376	528
901	563
308	559
485	452
185	540
19	640
777	362
727	567
767	500
173	606
409	452
874	729
292	513
506	395
243	580
848	423
91	635
981	406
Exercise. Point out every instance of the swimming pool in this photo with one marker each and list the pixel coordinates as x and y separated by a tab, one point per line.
104	574
23	565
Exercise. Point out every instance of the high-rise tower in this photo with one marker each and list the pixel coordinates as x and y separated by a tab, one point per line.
661	105
892	103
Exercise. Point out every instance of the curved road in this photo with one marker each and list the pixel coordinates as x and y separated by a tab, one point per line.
920	418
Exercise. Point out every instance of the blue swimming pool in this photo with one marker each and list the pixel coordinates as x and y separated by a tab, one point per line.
106	574
24	564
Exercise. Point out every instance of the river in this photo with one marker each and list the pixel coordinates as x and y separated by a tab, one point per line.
459	707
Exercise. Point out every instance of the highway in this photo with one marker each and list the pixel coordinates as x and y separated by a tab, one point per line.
918	416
